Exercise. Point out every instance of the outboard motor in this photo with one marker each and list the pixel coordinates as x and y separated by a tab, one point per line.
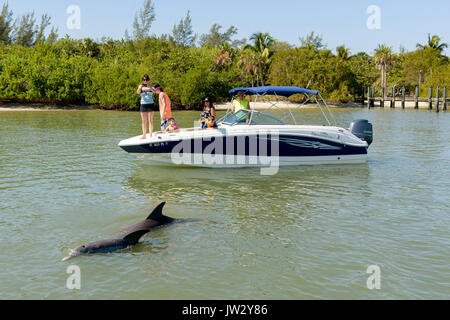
362	129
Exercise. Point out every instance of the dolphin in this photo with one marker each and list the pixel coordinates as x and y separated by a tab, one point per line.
130	236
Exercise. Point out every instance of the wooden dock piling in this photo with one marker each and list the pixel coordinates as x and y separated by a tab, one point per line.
373	98
403	97
363	102
430	98
393	98
437	98
444	106
408	100
416	101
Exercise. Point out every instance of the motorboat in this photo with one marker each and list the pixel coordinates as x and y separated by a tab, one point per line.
255	138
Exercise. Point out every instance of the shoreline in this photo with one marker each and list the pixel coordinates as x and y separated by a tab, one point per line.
14	106
36	107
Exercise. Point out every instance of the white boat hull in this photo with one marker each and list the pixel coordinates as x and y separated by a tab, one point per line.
196	160
250	146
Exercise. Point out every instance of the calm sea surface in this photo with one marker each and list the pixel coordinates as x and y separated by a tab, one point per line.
305	233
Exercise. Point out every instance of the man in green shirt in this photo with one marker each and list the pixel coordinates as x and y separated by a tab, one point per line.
240	103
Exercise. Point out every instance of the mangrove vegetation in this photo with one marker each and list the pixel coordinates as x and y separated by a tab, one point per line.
37	65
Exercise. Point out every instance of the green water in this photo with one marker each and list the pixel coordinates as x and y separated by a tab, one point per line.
305	233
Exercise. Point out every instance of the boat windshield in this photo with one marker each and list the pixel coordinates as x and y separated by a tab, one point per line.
252	117
239	117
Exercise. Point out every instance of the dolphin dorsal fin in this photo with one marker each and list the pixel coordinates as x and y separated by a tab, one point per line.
157	212
134	237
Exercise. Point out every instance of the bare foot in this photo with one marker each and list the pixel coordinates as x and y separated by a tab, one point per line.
143	137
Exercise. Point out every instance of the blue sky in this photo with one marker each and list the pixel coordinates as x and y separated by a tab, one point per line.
403	22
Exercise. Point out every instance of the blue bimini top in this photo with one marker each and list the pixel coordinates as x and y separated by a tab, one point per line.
272	90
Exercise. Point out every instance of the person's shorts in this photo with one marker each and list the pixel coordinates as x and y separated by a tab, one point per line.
164	124
149	108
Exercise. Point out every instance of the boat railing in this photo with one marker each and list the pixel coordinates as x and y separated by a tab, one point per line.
314	97
308	98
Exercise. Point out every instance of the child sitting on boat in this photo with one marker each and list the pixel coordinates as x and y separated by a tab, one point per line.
210	123
172	126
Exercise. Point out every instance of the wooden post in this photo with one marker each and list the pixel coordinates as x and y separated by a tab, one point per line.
437	98
430	98
416	104
368	97
382	98
444	107
393	98
363	95
403	97
373	97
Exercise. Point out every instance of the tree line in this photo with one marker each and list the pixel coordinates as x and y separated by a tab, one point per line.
37	65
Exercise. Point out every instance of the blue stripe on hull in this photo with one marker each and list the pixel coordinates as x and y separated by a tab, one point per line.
288	146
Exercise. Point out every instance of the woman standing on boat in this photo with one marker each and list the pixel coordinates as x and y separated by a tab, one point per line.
208	111
147	105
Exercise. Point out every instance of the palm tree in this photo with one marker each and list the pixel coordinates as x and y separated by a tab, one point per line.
249	64
312	41
343	52
384	60
262	48
224	58
434	43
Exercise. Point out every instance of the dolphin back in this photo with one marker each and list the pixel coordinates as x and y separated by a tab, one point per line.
157	212
131	236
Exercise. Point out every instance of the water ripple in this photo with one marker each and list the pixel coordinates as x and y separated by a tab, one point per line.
308	232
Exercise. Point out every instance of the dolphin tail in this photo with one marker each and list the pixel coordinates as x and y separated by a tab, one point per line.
157	212
133	238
